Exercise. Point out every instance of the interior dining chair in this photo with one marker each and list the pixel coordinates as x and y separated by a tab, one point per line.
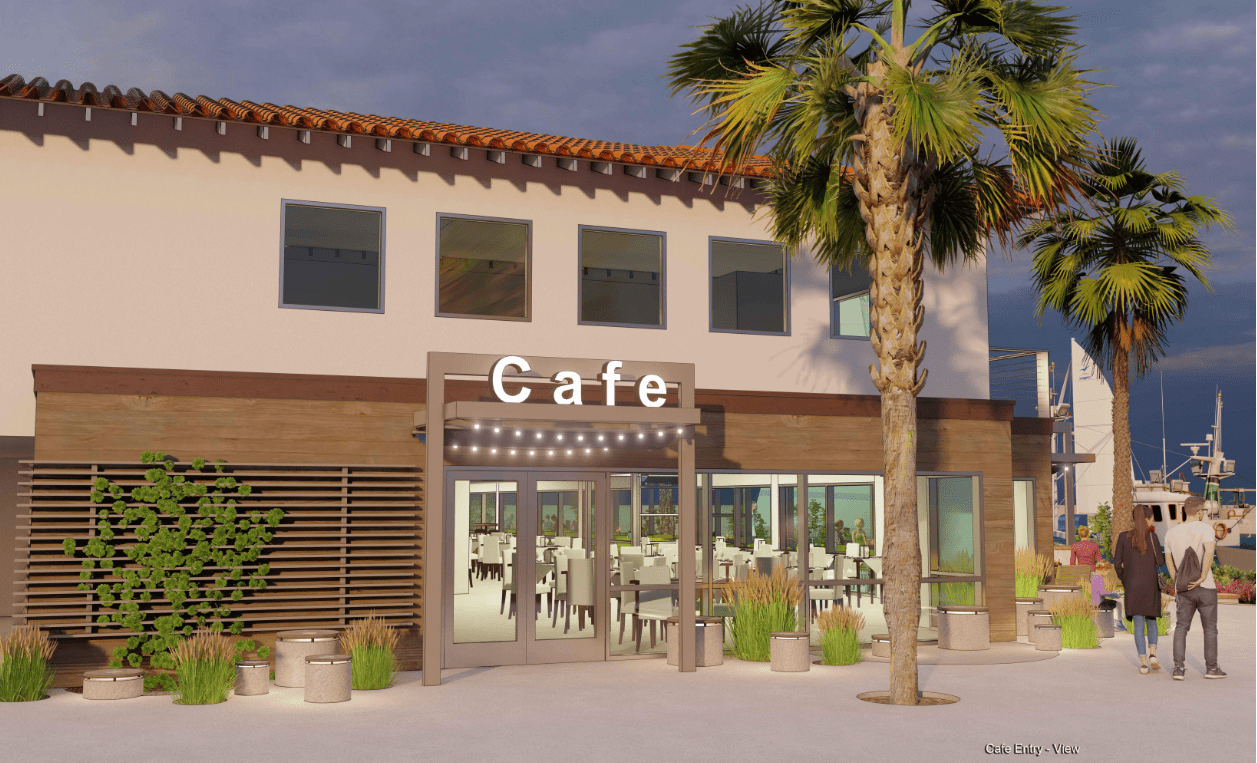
580	594
652	606
629	565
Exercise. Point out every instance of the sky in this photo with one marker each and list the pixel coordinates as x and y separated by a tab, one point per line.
1178	77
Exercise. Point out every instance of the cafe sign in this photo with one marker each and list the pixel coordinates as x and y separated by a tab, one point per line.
650	388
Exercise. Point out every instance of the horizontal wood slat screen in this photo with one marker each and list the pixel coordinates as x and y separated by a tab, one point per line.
350	544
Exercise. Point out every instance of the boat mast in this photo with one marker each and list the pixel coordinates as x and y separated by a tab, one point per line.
1164	477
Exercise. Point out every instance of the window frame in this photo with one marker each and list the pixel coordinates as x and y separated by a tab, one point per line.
663	276
833	298
436	287
711	302
283	228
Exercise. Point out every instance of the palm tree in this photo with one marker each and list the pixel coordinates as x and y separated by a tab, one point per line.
1110	268
875	148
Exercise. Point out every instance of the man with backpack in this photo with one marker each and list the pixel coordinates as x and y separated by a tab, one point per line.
1189	551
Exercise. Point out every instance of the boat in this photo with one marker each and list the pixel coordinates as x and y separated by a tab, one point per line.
1233	522
1091	424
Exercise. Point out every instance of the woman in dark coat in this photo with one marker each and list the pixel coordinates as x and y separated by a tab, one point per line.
1136	556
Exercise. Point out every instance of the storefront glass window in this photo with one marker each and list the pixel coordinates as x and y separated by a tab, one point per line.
483	268
332	258
748	287
622	278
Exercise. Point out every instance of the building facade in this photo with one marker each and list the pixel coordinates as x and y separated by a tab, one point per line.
267	285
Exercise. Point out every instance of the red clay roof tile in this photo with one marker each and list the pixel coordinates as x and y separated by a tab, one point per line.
679	157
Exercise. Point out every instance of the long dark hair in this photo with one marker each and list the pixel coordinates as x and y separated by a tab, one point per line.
1139	527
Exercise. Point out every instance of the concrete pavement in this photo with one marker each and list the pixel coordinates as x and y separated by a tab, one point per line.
642	710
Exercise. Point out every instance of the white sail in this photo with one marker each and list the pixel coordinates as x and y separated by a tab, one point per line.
1093	430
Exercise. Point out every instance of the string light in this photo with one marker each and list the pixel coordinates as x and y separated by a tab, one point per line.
497	430
475	426
680	431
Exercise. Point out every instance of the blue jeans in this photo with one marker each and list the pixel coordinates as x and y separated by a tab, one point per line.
1141	623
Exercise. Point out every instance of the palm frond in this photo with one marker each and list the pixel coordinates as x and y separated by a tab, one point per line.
727	48
936	115
811	21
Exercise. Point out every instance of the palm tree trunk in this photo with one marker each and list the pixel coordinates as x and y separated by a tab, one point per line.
887	186
1123	497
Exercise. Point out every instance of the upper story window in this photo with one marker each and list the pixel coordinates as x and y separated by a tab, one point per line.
622	277
333	257
483	268
749	287
850	293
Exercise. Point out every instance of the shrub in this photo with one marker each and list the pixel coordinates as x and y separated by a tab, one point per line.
1245	590
1030	570
1076	617
24	672
762	605
840	636
204	668
179	545
372	644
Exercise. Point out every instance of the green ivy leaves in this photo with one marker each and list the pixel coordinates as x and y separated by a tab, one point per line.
183	532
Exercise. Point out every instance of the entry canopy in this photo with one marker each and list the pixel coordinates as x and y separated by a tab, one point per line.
470	414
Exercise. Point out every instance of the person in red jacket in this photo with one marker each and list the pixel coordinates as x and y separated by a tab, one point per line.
1085	551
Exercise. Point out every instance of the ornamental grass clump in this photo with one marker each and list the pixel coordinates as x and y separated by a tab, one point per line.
840	636
24	672
205	668
372	644
1030	570
1076	616
762	605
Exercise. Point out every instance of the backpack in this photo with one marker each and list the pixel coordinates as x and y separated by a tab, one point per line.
1188	570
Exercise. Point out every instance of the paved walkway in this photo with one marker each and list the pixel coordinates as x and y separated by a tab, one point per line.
643	710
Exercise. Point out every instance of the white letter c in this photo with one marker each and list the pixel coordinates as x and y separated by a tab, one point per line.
496	379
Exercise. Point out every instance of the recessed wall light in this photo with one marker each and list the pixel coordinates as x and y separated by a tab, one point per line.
497	430
475	426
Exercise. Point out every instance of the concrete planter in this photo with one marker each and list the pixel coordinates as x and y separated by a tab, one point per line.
1228	598
789	653
113	683
1037	617
1053	593
881	645
709	641
328	678
253	677
291	649
1047	638
1024	605
964	629
1104	623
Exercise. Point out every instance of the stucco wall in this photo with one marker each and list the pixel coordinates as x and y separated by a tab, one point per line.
150	247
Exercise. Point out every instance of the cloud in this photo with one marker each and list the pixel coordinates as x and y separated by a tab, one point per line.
1226	358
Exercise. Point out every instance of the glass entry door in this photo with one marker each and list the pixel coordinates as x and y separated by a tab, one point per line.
524	580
